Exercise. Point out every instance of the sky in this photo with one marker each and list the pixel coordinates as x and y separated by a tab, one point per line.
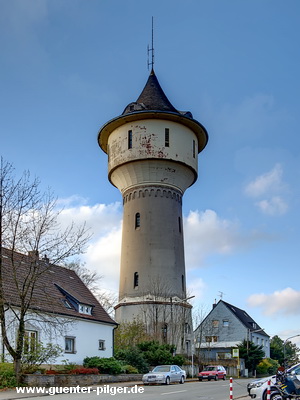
69	66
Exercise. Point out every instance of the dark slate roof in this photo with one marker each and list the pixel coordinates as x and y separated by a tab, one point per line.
153	98
54	285
244	318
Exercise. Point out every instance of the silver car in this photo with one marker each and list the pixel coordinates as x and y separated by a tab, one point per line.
165	374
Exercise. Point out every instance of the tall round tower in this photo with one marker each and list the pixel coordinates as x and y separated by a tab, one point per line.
152	159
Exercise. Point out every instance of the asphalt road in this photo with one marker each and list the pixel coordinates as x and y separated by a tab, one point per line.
195	390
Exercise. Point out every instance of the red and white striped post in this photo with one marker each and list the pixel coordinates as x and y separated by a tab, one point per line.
269	390
230	390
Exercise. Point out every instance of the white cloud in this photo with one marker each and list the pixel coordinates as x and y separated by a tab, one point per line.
264	184
104	257
103	252
269	187
274	206
206	233
286	301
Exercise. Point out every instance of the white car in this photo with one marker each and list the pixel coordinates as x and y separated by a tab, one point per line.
257	389
165	374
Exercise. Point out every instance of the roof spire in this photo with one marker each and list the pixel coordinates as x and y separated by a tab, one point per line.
151	62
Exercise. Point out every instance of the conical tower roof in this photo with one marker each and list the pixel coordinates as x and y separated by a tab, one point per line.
151	98
152	103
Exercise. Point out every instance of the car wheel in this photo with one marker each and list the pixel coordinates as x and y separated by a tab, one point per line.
167	380
208	379
181	379
216	377
200	379
275	396
224	377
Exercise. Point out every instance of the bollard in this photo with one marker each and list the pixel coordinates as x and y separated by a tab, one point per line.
230	390
269	390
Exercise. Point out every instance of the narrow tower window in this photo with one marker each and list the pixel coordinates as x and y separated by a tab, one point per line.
135	279
182	282
167	137
194	149
179	224
137	220
130	139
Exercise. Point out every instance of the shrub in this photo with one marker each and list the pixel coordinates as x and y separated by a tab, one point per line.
105	365
157	354
267	367
133	357
7	376
83	370
40	355
129	369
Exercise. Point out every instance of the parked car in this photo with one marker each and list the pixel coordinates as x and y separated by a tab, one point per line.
213	372
165	374
257	389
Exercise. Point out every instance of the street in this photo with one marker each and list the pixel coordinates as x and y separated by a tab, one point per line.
195	390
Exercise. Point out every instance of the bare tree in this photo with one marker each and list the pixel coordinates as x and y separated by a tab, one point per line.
29	224
167	317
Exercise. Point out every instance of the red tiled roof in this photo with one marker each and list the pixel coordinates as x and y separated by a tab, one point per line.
17	269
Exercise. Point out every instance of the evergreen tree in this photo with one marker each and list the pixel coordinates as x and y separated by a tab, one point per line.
251	353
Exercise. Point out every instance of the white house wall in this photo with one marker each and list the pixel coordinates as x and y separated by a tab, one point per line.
86	334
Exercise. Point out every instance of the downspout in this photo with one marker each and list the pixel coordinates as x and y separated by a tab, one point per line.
113	340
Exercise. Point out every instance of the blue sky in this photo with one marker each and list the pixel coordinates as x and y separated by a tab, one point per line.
68	66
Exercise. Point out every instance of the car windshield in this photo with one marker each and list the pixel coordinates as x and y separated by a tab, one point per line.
163	368
210	369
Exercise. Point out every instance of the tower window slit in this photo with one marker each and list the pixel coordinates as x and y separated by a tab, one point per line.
137	220
182	282
167	137
135	279
194	149
179	224
130	139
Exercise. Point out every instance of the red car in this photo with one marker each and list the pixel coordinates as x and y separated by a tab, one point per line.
213	372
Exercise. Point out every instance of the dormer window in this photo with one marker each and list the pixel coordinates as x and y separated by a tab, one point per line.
67	304
85	309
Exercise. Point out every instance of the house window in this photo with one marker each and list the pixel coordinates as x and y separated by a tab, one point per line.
215	323
101	344
70	344
136	279
225	323
211	339
30	341
129	139
137	220
167	137
194	149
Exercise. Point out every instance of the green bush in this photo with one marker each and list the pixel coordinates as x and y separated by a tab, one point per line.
40	355
158	354
133	357
267	367
7	376
109	366
129	369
